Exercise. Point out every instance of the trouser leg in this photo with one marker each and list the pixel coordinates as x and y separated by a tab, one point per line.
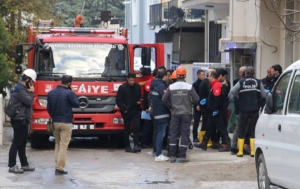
127	121
174	133
235	133
17	142
22	149
154	133
136	127
197	116
185	134
65	137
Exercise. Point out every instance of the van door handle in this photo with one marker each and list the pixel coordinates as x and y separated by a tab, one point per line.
279	127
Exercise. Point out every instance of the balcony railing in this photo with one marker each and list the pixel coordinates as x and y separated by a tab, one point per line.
167	14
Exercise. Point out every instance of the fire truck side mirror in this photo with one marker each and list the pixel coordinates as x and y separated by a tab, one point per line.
19	54
146	56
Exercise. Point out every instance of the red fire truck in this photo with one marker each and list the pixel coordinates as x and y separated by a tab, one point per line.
98	60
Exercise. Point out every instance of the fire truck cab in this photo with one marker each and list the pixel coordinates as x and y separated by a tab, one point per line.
98	60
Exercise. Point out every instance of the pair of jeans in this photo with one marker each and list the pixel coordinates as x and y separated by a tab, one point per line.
161	132
62	134
18	145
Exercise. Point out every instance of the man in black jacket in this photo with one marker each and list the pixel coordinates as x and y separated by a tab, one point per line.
197	112
267	81
203	94
129	99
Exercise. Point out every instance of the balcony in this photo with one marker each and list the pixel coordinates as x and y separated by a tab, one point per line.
168	14
206	4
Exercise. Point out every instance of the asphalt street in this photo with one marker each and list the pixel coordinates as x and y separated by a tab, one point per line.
93	164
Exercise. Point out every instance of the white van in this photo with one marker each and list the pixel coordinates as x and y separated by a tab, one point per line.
277	144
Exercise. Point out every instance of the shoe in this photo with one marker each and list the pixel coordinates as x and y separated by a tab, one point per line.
233	151
28	168
183	160
202	145
130	150
136	149
195	140
15	169
59	172
173	159
161	158
216	145
227	146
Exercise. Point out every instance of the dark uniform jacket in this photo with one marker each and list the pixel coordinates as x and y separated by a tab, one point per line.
204	92
160	112
196	86
267	83
250	92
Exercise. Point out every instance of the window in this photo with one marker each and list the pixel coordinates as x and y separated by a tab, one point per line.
134	12
149	2
294	102
138	59
280	92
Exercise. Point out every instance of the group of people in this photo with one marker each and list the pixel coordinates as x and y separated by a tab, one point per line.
172	104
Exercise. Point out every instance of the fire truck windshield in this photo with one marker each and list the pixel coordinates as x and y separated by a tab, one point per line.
84	59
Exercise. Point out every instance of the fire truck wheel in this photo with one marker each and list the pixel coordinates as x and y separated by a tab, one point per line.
40	141
117	141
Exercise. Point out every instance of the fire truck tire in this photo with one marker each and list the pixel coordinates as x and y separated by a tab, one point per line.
40	141
117	141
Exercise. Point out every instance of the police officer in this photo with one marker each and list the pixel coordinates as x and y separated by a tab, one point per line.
182	96
216	113
250	92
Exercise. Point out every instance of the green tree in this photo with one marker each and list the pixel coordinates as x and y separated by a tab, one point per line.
4	69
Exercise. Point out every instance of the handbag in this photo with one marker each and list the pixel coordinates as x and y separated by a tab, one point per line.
11	110
50	124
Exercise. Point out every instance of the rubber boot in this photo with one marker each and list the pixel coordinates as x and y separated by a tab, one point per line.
202	145
200	135
227	146
210	143
241	147
252	140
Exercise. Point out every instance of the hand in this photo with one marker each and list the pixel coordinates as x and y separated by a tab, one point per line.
31	88
215	113
203	101
125	111
198	108
148	110
139	102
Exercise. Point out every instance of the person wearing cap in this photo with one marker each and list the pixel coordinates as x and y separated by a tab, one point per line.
179	98
22	96
61	100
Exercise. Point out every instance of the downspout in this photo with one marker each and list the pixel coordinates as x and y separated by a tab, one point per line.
221	40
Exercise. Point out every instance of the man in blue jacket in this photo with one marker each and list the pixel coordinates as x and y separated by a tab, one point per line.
160	111
60	103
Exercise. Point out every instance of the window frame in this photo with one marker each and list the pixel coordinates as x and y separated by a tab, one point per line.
297	73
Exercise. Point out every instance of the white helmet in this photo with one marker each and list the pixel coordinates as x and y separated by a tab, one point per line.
30	73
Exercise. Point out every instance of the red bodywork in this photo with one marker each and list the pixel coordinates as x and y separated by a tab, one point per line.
103	122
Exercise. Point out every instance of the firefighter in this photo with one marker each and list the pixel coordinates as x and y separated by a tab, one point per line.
250	92
182	96
216	114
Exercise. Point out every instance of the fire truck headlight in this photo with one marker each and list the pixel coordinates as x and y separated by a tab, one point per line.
40	121
43	102
118	120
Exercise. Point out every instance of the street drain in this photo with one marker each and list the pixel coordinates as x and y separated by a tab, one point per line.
159	182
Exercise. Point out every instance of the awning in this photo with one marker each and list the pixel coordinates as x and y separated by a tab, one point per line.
227	45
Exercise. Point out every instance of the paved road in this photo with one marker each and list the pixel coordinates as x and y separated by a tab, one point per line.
92	165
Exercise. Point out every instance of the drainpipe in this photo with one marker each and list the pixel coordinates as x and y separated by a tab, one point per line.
206	37
231	28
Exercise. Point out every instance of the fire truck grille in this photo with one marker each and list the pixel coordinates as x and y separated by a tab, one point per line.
95	104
